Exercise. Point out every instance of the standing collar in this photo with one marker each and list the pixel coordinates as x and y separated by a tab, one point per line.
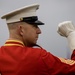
14	43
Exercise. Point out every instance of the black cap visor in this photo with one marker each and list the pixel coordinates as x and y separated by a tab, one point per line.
32	20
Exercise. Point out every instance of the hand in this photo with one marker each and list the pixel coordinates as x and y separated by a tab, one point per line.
65	28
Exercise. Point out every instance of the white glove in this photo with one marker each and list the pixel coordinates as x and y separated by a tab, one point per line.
66	29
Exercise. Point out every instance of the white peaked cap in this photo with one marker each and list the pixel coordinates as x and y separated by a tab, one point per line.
16	15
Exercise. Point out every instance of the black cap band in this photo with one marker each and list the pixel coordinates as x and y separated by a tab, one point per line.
32	20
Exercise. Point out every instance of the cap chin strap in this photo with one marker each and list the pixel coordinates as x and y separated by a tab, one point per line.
36	45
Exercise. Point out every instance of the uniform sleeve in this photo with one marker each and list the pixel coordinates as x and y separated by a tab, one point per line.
53	65
73	55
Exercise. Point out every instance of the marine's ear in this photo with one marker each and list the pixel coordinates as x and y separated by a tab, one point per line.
20	30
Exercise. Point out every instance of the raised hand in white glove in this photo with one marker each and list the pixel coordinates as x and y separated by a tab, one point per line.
66	29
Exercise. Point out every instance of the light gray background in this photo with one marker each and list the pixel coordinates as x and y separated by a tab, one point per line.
51	12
